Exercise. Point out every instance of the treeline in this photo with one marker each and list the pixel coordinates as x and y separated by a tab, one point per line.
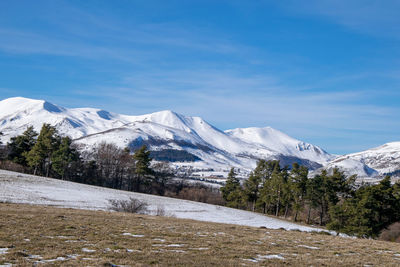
51	155
326	199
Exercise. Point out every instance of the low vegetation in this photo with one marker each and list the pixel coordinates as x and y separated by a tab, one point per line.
132	205
32	235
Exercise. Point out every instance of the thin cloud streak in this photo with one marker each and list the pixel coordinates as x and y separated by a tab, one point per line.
334	114
375	17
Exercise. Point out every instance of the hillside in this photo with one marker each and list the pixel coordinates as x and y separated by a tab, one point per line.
29	189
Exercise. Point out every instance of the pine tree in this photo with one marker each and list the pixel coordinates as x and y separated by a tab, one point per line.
372	209
143	171
251	189
20	145
299	178
39	157
315	194
231	191
143	160
63	157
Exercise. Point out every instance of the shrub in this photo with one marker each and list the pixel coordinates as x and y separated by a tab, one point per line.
132	205
392	233
160	211
11	166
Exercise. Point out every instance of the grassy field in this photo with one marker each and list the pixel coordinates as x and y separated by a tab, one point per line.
68	237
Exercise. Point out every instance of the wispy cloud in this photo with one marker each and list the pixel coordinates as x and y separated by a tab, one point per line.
74	29
229	99
374	17
135	66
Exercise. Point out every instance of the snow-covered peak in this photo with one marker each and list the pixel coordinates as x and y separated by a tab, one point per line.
351	166
278	141
385	159
20	104
165	117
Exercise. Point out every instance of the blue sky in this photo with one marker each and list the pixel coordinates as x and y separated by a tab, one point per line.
323	71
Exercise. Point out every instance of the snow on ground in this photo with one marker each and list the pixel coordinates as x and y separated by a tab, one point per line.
29	189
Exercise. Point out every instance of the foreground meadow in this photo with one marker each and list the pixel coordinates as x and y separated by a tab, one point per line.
68	237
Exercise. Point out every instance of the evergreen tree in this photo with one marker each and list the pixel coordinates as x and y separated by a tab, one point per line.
315	194
143	171
39	157
278	189
263	173
63	157
231	191
324	191
299	179
372	209
251	189
20	145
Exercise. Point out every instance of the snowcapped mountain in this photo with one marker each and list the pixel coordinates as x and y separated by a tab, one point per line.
164	130
379	161
275	140
17	113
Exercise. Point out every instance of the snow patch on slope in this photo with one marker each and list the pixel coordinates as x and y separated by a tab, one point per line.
22	188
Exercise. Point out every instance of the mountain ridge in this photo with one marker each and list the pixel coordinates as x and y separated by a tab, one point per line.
167	130
161	130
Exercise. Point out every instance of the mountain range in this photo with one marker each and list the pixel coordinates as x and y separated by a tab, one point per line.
188	142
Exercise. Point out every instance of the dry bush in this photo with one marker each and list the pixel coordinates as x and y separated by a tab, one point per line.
132	205
11	166
392	233
204	195
160	211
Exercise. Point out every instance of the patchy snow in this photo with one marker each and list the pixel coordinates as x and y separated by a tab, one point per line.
129	234
88	250
3	250
262	257
175	245
21	188
35	257
52	260
309	247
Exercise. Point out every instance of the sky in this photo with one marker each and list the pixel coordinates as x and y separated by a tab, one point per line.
323	71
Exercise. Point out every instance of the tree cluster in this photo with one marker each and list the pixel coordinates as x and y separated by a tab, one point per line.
326	199
49	154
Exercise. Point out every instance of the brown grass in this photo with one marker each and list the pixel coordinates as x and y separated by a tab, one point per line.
54	232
